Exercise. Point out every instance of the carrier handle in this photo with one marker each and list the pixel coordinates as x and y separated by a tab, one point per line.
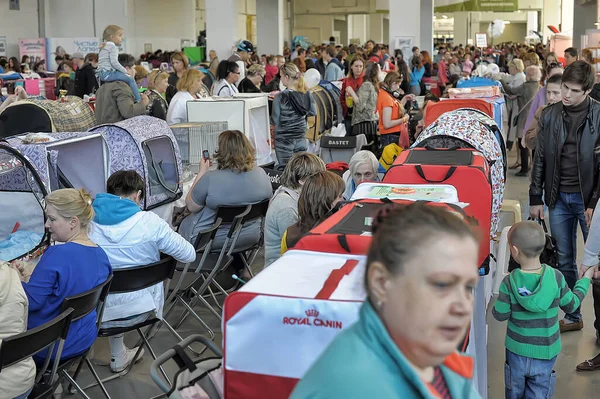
451	171
429	148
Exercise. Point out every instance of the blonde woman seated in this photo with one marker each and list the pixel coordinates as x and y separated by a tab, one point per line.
190	87
157	86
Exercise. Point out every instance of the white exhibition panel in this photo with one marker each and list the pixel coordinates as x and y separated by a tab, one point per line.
244	112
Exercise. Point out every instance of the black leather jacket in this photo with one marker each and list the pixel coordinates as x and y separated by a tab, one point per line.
545	175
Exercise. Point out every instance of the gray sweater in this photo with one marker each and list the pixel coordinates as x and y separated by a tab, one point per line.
282	213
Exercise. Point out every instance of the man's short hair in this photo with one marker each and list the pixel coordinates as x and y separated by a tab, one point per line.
331	51
572	52
125	183
415	48
555	79
126	60
581	73
528	237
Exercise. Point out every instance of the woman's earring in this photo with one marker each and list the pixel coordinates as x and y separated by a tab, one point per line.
379	304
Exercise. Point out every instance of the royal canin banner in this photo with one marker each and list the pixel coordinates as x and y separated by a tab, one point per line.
278	324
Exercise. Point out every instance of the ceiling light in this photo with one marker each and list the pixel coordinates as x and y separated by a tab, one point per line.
445	16
506	22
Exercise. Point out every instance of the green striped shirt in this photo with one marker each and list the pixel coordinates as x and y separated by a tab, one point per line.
533	329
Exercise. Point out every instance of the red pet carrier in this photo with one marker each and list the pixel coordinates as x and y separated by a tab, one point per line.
465	169
348	231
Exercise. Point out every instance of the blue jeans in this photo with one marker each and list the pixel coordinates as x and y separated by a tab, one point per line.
285	148
25	395
527	378
564	216
113	76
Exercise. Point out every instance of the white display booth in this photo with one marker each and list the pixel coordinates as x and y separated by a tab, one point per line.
248	113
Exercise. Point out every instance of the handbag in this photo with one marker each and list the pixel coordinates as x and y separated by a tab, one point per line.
549	255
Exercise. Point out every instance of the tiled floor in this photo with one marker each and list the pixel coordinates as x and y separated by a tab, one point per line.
577	346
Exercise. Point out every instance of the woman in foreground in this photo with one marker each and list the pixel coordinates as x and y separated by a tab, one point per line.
419	305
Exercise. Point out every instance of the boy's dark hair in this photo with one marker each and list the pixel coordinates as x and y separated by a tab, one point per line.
581	73
124	183
414	49
554	79
572	52
126	60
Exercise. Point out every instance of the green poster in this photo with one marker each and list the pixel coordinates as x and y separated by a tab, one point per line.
476	5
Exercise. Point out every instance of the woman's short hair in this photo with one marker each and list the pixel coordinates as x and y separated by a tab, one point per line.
518	64
70	203
188	79
180	56
256	69
318	194
156	76
300	166
140	72
533	73
555	79
532	58
91	57
401	231
125	183
225	68
363	157
235	152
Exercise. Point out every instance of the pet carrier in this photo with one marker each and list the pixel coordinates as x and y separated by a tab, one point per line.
33	116
22	219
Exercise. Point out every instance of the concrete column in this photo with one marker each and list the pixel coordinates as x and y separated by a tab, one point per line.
426	20
551	14
584	17
376	27
461	28
269	25
532	21
567	17
222	26
404	22
357	27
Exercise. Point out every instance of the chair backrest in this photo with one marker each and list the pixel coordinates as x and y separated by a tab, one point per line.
21	346
337	149
206	236
257	211
86	302
140	277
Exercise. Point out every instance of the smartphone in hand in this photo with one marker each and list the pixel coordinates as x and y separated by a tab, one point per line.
205	155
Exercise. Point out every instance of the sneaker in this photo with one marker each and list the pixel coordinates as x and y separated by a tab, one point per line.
576	326
118	365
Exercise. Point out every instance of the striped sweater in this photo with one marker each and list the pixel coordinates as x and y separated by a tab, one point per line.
530	302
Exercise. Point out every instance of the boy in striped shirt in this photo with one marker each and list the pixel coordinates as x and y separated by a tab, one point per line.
529	299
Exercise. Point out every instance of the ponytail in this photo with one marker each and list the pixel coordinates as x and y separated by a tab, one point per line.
301	85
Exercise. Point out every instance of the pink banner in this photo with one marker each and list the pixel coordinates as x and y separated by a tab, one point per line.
34	48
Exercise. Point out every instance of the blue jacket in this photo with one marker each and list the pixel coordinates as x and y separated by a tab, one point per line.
364	362
66	270
416	76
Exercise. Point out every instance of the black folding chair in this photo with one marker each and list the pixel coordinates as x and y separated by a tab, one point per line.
131	280
82	305
186	279
238	217
49	335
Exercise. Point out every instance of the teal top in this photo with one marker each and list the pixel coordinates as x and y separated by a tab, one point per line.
364	362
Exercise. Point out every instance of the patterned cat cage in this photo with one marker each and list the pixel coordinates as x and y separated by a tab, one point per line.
22	233
86	159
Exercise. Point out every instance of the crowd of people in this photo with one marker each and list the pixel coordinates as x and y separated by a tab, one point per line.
552	115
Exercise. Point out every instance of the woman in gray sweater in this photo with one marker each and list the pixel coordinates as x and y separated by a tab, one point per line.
364	114
283	208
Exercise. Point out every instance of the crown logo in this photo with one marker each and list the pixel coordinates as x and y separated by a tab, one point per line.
312	312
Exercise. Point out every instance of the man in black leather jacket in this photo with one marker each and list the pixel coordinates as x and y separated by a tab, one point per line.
566	170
